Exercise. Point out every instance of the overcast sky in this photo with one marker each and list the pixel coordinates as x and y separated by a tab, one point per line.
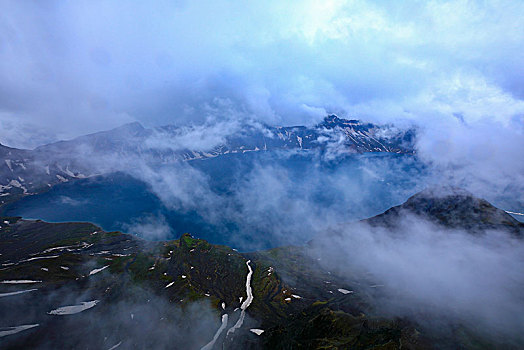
72	67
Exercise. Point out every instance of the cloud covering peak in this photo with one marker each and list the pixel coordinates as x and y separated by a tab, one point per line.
69	68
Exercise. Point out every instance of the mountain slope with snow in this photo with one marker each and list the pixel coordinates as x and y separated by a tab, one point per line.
279	298
31	171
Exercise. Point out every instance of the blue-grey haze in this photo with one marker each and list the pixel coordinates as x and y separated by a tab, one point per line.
351	188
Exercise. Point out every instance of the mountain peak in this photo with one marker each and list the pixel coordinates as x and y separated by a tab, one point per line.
130	129
133	126
451	207
333	120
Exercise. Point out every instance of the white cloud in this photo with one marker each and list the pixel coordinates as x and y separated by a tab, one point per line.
150	227
450	274
71	68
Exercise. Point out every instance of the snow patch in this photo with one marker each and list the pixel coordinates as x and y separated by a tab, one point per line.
223	326
17	329
61	178
246	303
19	281
17	292
344	291
98	270
8	162
115	346
40	258
74	309
59	248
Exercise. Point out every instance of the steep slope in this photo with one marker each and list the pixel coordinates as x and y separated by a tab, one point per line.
31	171
24	172
452	208
67	264
134	140
48	266
50	269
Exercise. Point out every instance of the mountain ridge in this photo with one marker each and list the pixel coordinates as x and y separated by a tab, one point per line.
450	207
32	171
292	303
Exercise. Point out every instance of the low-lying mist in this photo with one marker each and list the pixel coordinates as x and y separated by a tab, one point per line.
250	201
259	200
130	318
435	275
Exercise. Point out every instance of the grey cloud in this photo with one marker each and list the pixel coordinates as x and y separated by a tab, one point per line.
432	273
68	68
72	68
151	227
484	157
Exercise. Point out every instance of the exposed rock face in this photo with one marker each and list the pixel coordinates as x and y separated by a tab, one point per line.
452	208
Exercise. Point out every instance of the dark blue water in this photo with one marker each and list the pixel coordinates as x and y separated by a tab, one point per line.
261	200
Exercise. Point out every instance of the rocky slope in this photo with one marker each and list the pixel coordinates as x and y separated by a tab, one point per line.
30	171
57	265
451	208
73	285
